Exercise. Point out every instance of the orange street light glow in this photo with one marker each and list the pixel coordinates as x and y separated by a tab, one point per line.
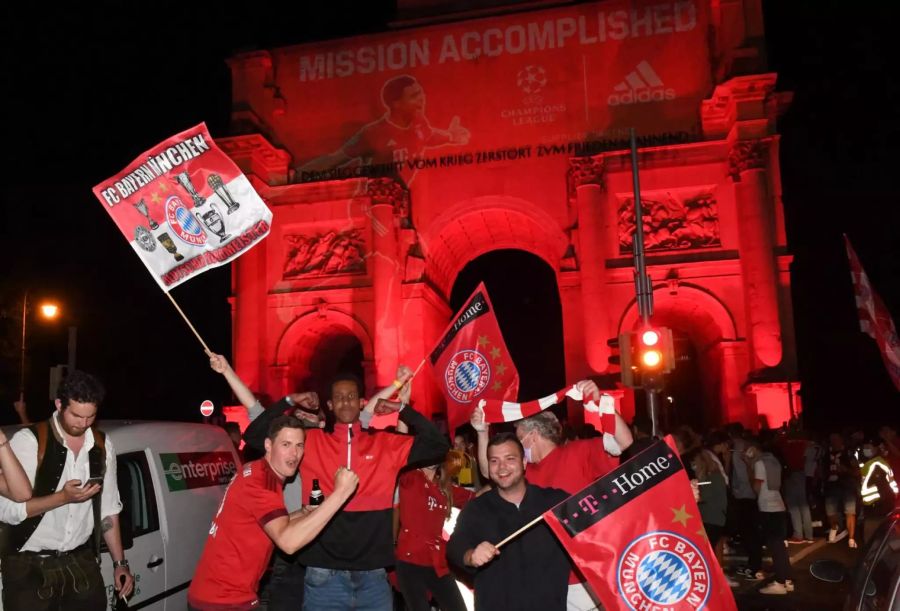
49	310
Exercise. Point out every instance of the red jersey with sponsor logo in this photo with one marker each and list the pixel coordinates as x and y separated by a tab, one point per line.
237	550
571	467
385	142
423	509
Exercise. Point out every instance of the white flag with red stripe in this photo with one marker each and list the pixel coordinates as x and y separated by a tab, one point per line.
496	410
874	318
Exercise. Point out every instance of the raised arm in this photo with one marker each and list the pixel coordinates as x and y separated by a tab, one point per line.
481	432
292	534
404	375
622	434
219	364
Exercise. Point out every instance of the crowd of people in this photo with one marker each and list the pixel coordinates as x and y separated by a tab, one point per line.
354	515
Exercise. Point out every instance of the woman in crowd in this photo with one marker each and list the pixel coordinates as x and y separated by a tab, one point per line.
426	498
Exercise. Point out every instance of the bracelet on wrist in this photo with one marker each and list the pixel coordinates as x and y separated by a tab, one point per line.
120	563
397	384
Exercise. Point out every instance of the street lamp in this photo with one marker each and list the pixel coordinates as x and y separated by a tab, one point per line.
49	311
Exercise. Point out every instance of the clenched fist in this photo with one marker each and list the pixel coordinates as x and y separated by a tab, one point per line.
345	482
481	555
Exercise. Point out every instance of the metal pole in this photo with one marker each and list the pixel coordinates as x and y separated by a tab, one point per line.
641	281
643	287
22	363
73	343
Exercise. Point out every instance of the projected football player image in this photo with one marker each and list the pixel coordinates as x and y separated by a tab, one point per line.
402	134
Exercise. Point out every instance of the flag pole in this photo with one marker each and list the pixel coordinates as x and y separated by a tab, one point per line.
184	316
520	531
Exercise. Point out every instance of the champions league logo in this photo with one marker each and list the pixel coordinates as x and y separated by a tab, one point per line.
467	375
184	225
663	569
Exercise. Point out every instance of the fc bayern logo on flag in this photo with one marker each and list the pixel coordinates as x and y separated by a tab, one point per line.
183	223
663	569
467	375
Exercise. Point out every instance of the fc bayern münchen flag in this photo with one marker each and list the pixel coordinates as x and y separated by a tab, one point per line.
874	318
185	207
471	361
637	537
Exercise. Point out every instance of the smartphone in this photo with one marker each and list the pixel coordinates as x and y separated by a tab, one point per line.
93	480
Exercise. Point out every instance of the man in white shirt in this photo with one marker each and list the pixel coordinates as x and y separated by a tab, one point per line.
51	559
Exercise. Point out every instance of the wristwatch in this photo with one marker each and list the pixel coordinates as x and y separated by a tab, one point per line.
289	401
123	562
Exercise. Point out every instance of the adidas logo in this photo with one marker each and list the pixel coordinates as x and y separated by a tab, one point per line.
640	86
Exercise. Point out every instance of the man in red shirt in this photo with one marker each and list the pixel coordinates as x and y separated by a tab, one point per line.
401	135
569	467
252	519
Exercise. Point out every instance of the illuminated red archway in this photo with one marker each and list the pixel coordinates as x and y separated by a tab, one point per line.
519	151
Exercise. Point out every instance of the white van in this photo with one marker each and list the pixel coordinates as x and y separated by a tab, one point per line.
172	477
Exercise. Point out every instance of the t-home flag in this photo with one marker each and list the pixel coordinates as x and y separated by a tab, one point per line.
184	206
637	536
471	361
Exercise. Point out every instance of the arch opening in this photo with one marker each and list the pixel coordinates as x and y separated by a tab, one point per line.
525	296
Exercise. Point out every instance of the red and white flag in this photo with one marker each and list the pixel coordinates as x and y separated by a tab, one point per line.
471	361
637	537
506	411
874	318
185	207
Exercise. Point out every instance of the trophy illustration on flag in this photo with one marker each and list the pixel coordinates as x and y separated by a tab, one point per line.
185	181
215	182
214	222
142	208
169	245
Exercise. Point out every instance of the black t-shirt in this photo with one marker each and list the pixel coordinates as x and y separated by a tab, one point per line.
532	571
840	468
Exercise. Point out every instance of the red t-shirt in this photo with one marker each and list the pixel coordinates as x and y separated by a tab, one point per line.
571	467
237	550
423	509
383	141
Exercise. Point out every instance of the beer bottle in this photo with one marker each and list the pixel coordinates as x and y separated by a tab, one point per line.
315	495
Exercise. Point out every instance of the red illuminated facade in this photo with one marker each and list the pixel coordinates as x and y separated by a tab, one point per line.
520	148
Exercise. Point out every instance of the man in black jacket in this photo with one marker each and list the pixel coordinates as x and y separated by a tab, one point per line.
346	563
532	572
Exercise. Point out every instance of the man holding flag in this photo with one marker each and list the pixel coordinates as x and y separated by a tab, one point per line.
532	571
570	467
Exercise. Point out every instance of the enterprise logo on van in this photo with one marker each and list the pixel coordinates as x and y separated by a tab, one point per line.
189	470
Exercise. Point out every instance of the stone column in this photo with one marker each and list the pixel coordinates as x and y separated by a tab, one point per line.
586	179
747	165
733	371
386	196
248	318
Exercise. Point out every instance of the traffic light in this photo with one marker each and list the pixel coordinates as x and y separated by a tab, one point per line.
623	344
654	352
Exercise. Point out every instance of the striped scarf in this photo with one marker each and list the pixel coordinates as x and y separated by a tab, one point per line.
496	410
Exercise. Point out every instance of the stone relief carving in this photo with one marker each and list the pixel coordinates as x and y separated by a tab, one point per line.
329	253
670	224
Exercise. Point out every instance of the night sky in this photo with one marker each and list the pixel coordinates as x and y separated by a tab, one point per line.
89	87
